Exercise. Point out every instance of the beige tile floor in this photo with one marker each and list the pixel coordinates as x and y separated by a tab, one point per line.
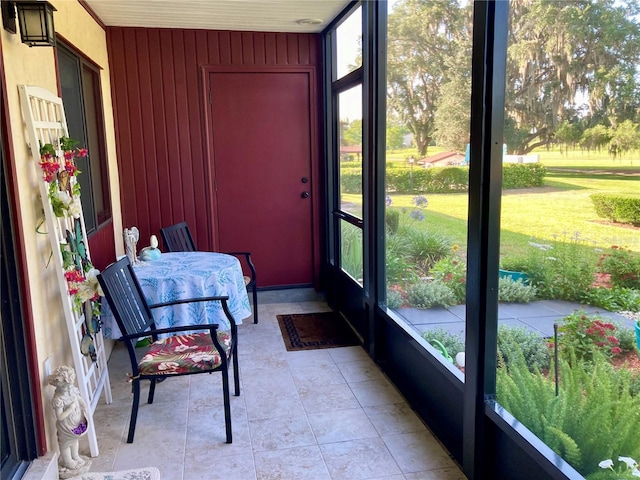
317	414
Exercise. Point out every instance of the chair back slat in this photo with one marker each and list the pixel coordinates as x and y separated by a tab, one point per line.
126	298
177	238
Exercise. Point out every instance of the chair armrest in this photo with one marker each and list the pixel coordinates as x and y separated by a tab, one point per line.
247	256
222	299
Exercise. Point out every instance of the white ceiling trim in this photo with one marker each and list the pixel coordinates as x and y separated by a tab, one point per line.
243	15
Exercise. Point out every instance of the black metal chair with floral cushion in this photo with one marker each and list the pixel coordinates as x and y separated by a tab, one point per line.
189	350
178	238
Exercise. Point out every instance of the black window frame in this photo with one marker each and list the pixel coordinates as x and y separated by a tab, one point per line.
87	126
19	442
485	439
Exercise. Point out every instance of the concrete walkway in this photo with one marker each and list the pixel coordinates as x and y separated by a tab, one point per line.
535	316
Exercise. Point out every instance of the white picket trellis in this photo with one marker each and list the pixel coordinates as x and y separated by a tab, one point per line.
45	121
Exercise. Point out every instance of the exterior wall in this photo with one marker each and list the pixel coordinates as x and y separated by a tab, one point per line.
37	66
159	115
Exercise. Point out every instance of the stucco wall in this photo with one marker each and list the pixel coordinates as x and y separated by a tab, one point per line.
37	66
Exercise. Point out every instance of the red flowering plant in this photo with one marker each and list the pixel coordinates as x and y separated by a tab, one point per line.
623	267
58	171
584	334
58	166
84	287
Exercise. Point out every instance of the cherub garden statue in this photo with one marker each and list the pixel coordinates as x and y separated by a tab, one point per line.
131	237
72	421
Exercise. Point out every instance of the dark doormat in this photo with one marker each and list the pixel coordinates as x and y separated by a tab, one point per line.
309	331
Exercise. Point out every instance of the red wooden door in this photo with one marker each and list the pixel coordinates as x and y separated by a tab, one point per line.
261	133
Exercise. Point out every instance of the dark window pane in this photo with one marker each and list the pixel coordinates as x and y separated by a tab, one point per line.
80	87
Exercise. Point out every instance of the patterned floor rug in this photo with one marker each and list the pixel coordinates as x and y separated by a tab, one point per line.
307	331
149	473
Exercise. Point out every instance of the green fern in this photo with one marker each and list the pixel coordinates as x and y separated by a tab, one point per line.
594	417
563	444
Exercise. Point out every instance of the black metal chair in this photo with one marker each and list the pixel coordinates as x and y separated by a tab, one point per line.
178	238
206	351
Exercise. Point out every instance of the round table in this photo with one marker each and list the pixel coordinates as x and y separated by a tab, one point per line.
182	275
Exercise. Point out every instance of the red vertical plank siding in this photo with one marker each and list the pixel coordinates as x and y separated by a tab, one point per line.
184	160
292	49
121	116
101	247
159	113
270	49
158	110
224	47
138	190
282	52
213	41
247	49
205	233
148	133
236	48
200	208
173	150
258	48
303	50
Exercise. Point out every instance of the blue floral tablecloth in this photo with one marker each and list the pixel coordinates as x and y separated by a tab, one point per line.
182	275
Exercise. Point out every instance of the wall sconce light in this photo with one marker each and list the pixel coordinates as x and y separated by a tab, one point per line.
36	22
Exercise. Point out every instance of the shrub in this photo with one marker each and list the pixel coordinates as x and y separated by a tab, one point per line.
515	264
450	179
626	337
398	269
453	343
616	299
422	180
453	272
583	335
426	248
562	270
430	294
351	182
624	267
593	417
445	179
392	220
511	291
394	298
527	175
617	208
514	340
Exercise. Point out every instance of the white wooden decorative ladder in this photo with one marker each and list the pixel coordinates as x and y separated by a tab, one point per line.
45	122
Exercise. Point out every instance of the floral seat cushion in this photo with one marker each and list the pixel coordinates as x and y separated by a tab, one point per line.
183	354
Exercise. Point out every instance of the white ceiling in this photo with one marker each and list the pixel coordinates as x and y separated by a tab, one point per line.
253	15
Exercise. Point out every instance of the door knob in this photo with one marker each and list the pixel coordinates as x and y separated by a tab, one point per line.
304	194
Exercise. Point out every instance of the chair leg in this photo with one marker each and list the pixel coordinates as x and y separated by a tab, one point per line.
134	410
227	404
152	391
255	305
236	372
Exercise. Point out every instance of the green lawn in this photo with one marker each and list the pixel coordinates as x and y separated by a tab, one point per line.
584	159
558	211
543	214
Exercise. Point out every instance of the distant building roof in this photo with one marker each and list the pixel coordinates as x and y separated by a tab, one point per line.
351	149
446	158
